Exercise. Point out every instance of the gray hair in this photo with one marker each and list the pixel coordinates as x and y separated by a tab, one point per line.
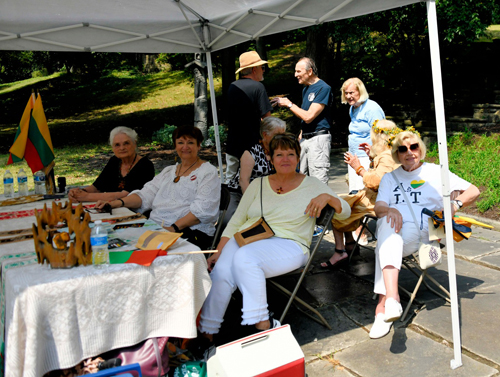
246	71
123	130
272	124
310	64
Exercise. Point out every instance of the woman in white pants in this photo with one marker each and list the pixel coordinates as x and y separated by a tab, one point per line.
291	202
397	234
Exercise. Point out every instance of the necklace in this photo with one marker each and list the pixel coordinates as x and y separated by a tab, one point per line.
121	185
177	177
279	190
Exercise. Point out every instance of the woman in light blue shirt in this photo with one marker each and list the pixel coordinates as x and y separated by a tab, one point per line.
363	113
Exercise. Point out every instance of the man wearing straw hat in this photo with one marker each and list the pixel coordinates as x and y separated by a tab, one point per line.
247	103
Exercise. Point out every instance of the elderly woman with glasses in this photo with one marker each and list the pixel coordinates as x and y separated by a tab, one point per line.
397	233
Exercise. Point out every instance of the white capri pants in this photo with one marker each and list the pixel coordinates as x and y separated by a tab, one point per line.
356	181
392	247
247	269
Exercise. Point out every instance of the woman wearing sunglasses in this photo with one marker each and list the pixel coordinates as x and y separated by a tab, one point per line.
397	233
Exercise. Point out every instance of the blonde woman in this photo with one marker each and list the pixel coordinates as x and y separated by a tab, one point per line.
363	113
363	202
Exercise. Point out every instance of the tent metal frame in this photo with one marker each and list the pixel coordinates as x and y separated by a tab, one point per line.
201	27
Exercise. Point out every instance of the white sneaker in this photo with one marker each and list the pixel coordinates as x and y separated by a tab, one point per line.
380	328
393	310
274	323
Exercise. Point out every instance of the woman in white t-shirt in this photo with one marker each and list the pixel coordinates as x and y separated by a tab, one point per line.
397	233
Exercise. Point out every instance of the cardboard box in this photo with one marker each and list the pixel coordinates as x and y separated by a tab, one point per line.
274	352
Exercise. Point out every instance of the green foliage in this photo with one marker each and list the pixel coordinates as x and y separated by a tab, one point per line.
164	135
466	20
40	73
477	160
79	164
176	61
222	134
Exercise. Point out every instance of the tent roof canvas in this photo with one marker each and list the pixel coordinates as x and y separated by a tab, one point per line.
164	25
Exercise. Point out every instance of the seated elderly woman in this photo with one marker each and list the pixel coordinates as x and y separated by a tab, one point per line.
397	233
254	163
184	197
125	172
363	202
290	204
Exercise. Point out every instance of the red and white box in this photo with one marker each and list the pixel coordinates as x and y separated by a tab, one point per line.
274	352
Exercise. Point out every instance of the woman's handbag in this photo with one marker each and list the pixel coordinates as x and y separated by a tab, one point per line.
428	254
260	230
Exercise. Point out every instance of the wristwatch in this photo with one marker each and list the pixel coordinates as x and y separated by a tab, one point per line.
290	105
457	203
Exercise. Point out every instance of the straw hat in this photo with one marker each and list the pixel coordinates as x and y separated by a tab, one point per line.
250	59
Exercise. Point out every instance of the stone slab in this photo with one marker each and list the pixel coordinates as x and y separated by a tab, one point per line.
326	367
316	340
485	234
479	309
404	352
474	248
492	260
469	276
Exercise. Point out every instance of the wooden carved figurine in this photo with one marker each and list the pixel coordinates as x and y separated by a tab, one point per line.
56	247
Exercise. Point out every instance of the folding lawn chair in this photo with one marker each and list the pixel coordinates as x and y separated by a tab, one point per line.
364	225
412	264
323	221
224	203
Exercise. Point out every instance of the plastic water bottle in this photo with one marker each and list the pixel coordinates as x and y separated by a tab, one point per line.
22	183
99	242
8	184
39	178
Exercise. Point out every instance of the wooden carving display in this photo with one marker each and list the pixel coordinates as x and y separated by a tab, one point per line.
58	248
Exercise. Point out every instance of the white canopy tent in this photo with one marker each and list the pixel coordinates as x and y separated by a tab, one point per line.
189	26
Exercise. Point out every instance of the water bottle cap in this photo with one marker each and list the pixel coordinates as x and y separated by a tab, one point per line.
98	222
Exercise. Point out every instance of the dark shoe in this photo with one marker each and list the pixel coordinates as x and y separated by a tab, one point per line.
199	347
341	263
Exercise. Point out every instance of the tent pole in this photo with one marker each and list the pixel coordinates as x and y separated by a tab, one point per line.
445	179
214	105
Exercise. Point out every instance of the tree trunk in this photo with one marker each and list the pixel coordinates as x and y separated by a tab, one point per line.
320	48
149	63
260	46
200	97
228	57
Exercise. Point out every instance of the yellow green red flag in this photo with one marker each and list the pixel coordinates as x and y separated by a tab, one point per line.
32	141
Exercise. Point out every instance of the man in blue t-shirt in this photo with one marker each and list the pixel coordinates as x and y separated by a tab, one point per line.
315	138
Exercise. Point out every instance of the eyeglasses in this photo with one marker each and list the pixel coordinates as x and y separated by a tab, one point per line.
404	148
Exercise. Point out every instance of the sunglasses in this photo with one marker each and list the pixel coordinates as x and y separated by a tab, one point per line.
404	148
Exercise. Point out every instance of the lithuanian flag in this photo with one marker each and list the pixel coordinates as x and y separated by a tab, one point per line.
32	141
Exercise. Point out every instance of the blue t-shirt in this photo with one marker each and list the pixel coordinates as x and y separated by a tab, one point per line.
362	119
319	92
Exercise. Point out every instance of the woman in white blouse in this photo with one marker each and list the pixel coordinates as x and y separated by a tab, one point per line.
184	198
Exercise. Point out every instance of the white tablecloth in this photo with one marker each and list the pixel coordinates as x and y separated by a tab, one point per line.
56	318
